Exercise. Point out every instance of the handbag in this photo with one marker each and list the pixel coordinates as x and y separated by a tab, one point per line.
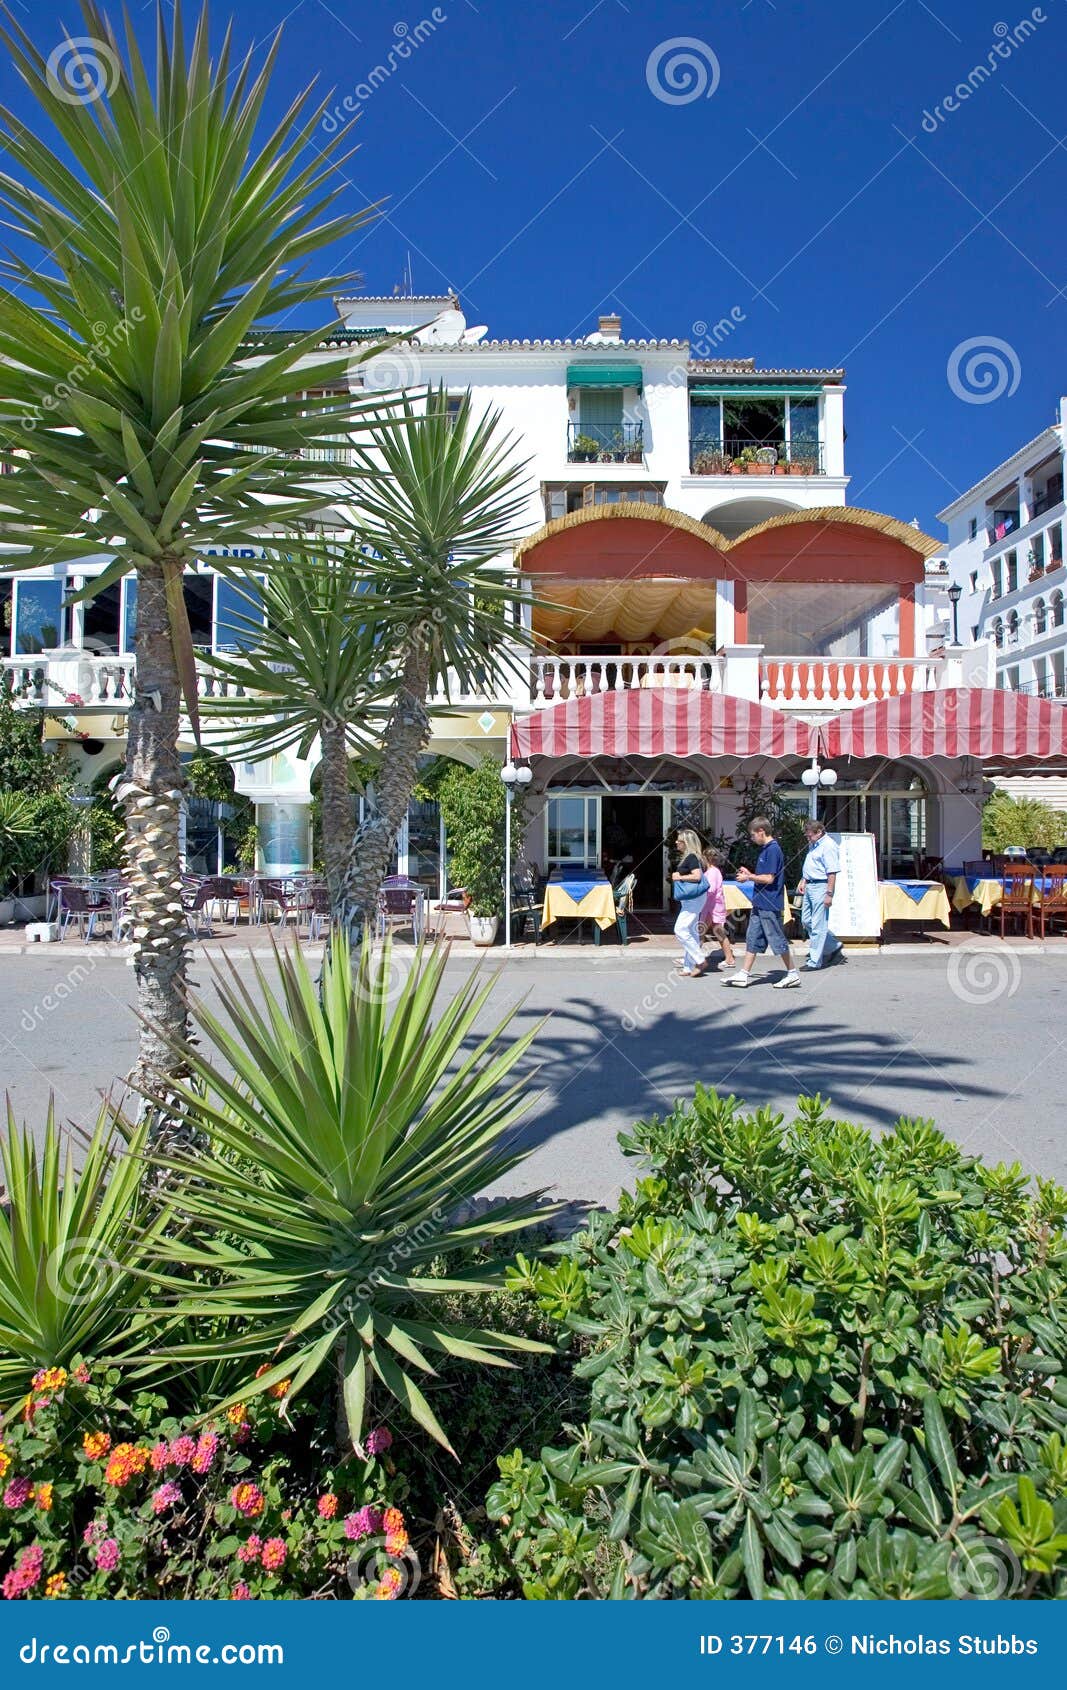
687	891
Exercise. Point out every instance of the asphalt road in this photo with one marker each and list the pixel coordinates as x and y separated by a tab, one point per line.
973	1039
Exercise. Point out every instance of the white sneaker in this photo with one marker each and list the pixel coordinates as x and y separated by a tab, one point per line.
736	980
787	980
725	967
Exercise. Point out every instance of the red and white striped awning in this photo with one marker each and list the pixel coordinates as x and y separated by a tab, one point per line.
998	729
660	722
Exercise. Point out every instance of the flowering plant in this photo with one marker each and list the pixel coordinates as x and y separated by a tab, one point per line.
102	1497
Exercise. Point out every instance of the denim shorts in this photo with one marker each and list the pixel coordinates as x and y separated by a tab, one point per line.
765	932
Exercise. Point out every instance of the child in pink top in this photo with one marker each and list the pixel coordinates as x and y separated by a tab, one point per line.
713	914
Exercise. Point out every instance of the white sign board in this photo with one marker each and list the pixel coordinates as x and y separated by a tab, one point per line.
856	911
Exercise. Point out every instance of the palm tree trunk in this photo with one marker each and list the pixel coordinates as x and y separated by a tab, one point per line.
406	736
151	794
336	815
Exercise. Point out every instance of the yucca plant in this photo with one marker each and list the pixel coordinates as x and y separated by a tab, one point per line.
144	415
72	1246
16	826
348	1130
312	668
445	508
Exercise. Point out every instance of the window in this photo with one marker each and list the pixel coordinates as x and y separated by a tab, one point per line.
1011	571
793	619
237	603
129	611
998	633
973	528
974	580
100	627
1056	606
573	827
40	619
1040	616
197	591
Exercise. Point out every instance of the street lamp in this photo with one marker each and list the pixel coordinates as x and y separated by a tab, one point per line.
514	775
813	778
955	593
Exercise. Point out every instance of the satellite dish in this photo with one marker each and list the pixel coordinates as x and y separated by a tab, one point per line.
445	330
472	336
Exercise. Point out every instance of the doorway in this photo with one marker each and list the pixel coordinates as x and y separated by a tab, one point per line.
631	832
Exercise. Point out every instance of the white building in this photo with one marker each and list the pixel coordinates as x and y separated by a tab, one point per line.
1005	553
716	606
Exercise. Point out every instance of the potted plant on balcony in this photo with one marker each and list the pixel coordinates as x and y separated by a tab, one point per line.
584	450
750	461
709	460
1037	567
803	458
635	450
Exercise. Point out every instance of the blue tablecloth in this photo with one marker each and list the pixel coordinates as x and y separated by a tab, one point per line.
915	889
577	882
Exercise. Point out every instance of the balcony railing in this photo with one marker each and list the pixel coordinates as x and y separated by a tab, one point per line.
835	682
590	444
555	679
710	455
77	680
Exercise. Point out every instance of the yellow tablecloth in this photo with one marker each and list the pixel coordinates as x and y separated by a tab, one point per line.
598	905
896	905
987	894
738	897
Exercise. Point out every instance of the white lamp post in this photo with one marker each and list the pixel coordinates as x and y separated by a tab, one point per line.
513	775
813	779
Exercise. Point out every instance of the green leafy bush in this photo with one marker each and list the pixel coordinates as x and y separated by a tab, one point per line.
473	804
1021	821
819	1365
107	1495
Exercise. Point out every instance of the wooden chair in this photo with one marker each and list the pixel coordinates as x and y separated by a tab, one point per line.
1017	904
1051	903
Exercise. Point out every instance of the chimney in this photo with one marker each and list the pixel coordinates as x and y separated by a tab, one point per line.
610	327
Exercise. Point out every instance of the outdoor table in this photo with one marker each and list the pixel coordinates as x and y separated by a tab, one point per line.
913	900
585	894
987	894
738	895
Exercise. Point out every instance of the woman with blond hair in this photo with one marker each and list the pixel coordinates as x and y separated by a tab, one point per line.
690	885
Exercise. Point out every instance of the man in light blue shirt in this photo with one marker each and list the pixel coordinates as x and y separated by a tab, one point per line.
821	868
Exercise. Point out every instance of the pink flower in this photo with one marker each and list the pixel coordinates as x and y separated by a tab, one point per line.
182	1451
25	1573
273	1556
243	1432
240	1593
248	1499
107	1556
92	1531
365	1522
204	1454
378	1441
250	1551
18	1493
159	1457
81	1374
165	1497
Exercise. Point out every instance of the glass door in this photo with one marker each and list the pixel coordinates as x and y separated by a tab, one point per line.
572	831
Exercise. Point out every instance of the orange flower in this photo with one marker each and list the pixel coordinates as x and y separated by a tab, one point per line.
235	1413
276	1391
56	1584
96	1445
393	1520
50	1379
327	1506
125	1462
248	1500
43	1497
389	1588
5	1463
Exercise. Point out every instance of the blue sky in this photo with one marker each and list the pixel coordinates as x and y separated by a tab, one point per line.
527	158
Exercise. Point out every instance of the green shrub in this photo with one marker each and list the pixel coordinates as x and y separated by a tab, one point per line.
104	1495
473	804
819	1365
1021	821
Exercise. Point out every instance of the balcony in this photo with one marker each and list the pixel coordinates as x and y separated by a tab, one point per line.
622	443
730	456
555	679
77	680
824	683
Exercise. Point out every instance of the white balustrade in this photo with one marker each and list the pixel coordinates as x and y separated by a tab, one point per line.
838	683
555	679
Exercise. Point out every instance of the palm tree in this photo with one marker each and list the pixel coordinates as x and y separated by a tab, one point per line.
138	419
445	507
312	668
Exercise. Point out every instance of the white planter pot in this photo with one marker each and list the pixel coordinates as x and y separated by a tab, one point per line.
7	911
32	908
483	928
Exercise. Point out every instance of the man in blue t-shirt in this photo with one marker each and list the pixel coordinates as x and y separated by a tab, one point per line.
765	930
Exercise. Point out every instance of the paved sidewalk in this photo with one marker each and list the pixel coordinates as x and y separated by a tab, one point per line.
971	1035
